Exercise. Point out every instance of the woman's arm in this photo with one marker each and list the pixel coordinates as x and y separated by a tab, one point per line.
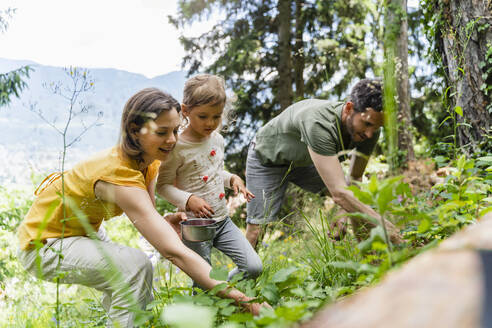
151	190
136	203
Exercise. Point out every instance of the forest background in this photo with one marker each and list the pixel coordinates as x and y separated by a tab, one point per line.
436	62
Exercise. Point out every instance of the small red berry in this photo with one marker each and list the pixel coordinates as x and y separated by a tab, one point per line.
205	178
212	153
221	195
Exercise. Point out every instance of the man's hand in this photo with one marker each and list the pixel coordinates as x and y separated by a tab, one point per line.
394	234
237	184
338	228
174	219
199	207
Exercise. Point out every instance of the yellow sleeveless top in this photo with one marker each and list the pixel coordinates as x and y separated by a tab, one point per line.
44	219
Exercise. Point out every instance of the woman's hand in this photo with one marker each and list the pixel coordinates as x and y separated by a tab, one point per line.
174	219
199	207
244	301
237	184
254	308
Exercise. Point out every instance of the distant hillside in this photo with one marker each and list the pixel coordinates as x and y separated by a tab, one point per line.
29	144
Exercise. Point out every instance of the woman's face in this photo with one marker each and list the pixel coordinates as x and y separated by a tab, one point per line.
158	137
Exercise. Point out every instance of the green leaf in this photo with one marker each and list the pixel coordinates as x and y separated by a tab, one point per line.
379	246
385	196
373	184
219	273
227	311
424	225
223	303
487	159
283	274
460	165
447	118
441	160
346	265
178	315
404	189
487	200
363	196
270	292
218	288
241	317
485	211
377	233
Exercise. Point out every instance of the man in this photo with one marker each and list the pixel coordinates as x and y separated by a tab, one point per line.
302	145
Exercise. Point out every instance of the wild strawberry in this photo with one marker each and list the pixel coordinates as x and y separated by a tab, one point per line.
221	195
205	178
212	153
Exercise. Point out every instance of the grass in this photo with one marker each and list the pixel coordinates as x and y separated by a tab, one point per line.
303	268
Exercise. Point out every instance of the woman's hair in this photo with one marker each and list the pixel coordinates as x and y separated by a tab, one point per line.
208	89
145	105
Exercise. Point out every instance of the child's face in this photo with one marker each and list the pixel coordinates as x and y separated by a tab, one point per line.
204	119
158	137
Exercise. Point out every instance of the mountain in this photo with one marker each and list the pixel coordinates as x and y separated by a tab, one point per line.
28	144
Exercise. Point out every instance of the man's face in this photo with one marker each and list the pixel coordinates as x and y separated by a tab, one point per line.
363	125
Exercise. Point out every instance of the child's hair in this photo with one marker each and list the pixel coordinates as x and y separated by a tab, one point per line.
204	89
145	105
208	89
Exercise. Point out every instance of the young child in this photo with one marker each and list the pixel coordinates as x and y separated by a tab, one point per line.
193	177
116	180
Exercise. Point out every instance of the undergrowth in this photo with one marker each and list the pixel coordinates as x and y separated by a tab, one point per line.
304	268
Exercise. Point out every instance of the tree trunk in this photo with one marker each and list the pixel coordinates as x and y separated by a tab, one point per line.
465	37
397	33
299	51
396	87
285	63
405	135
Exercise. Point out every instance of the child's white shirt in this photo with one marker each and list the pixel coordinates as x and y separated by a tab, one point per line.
196	168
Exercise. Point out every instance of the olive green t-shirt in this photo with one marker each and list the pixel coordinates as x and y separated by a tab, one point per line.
314	123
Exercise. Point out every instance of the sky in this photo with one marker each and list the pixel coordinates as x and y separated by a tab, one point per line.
132	35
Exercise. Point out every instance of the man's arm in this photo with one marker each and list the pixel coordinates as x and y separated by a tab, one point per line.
331	173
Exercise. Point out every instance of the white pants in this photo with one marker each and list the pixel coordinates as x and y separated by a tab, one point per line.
122	273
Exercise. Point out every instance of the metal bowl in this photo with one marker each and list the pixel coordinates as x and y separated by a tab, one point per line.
198	229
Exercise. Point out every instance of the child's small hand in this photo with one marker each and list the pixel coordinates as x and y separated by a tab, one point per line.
199	207
174	219
237	185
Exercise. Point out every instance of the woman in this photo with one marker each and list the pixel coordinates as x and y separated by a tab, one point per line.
117	180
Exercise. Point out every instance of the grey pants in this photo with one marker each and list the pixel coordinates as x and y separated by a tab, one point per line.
231	241
268	184
123	274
